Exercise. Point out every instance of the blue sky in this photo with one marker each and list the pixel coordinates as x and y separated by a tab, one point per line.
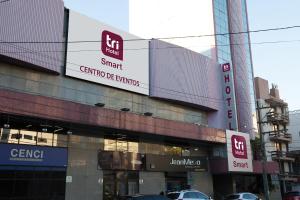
276	62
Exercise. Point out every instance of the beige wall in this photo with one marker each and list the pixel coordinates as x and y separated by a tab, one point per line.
261	88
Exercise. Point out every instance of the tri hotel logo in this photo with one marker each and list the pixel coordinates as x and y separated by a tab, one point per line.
239	147
112	45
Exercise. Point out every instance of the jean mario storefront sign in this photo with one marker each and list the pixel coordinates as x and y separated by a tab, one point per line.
176	163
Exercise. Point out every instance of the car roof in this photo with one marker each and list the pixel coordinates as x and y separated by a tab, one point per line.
189	190
241	193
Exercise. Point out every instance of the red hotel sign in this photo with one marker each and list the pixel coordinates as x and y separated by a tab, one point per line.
238	152
112	45
229	96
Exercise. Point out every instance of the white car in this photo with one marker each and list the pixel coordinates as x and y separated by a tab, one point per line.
188	195
242	196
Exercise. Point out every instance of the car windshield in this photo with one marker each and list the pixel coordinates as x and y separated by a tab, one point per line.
174	195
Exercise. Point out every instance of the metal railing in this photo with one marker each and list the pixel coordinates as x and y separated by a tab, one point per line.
281	155
276	118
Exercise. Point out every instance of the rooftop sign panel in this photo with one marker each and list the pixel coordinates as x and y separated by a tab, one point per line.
103	54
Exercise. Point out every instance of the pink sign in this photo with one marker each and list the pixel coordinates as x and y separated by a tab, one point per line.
239	147
112	45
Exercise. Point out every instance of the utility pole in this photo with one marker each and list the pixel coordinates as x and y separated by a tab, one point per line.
263	151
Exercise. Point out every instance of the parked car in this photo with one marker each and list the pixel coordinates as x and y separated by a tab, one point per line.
242	196
293	195
188	195
144	197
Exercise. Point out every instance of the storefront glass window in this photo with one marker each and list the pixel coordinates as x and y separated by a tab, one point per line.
133	147
110	145
44	139
60	140
173	150
33	138
122	146
11	135
150	148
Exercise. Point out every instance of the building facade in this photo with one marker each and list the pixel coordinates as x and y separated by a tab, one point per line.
294	130
91	112
210	23
274	120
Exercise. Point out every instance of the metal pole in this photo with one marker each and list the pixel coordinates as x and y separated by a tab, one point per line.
264	159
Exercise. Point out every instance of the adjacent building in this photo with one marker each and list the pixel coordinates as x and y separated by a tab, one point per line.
274	121
294	147
92	112
294	129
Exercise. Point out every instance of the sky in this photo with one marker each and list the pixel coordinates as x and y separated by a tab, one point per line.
275	54
277	62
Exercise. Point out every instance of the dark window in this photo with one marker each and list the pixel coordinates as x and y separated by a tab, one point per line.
231	197
28	137
44	140
16	136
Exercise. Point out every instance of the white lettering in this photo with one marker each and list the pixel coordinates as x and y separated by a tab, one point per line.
14	152
187	162
108	40
26	153
37	154
112	43
22	153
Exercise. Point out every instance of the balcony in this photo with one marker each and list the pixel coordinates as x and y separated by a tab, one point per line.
281	156
275	102
287	176
280	137
277	118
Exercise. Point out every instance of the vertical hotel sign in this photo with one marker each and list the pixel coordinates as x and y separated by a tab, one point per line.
229	96
238	152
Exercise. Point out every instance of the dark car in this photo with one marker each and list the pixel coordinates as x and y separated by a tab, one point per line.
145	197
293	195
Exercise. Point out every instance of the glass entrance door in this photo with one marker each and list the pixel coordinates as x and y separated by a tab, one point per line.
176	181
119	183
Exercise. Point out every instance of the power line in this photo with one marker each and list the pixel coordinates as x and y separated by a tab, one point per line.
161	38
156	48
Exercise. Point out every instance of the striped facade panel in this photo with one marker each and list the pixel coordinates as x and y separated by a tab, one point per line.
242	64
33	21
183	75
